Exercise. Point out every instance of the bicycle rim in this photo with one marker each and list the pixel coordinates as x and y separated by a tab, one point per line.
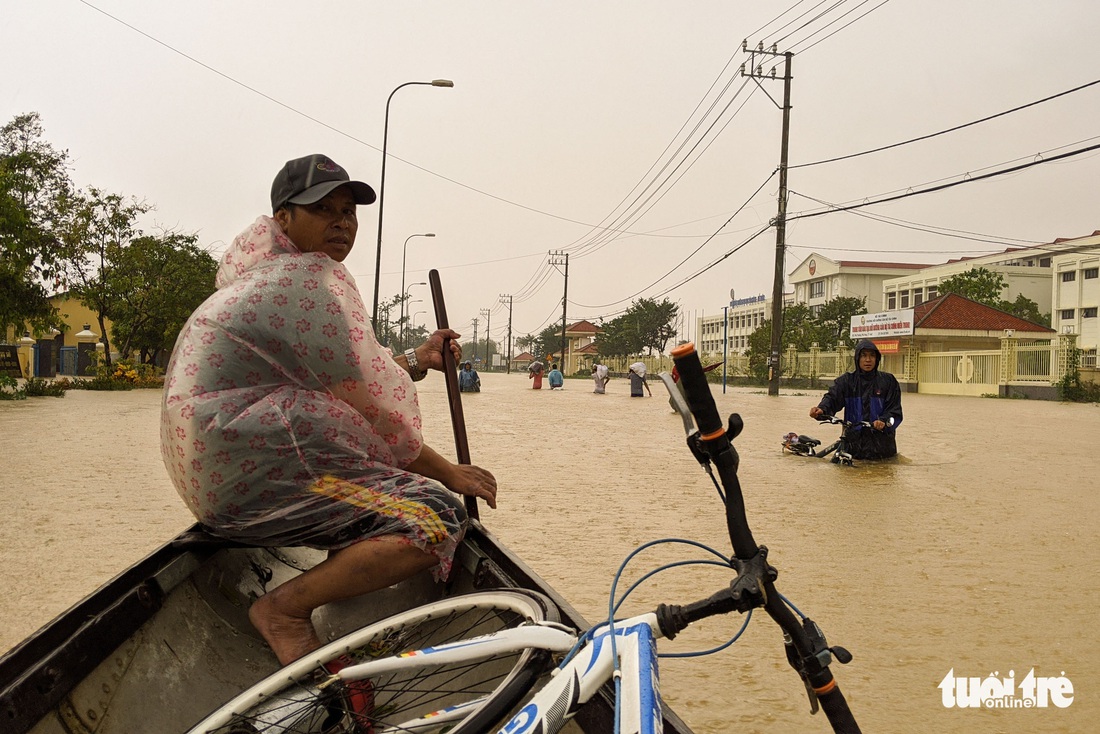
290	701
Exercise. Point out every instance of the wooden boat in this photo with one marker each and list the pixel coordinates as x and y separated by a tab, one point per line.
168	640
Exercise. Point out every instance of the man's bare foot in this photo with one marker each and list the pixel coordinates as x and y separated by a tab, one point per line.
286	630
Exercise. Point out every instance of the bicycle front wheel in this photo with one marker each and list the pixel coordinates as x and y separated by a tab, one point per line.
292	701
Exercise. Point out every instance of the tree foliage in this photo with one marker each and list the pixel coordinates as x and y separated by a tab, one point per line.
95	229
156	283
646	325
33	177
986	286
978	284
830	327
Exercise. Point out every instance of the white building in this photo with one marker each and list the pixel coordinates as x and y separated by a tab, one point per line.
819	279
744	316
1027	272
1075	294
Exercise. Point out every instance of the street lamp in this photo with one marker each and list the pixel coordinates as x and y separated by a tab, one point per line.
403	248
405	303
382	185
413	319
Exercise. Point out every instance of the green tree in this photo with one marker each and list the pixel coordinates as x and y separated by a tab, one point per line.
157	283
800	328
33	177
986	286
835	320
1027	309
647	324
548	342
95	230
977	284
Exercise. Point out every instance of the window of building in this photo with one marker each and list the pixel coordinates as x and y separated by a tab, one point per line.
1091	273
1044	262
1069	276
891	301
933	291
905	299
815	310
918	296
1088	313
817	289
1066	314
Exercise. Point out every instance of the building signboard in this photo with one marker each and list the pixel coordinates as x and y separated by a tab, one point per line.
9	362
883	324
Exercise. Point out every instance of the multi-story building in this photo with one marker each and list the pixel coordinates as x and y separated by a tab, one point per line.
743	316
1075	293
819	279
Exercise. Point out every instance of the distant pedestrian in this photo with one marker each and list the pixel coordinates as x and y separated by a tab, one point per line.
468	379
600	377
637	381
534	372
557	379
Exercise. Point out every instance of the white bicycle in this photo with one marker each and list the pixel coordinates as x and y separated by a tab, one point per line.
464	664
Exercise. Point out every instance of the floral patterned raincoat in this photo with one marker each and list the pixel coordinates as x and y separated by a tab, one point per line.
285	423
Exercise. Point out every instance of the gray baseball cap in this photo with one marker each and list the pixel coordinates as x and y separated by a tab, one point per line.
311	178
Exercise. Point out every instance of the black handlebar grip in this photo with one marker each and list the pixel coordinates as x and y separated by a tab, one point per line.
697	391
836	710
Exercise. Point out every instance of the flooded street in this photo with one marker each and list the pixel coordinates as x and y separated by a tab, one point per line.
975	551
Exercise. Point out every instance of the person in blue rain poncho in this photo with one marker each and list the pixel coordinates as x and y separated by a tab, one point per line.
866	394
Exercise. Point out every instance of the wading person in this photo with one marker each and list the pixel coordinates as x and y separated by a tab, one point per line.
601	377
637	380
468	380
285	423
555	377
866	394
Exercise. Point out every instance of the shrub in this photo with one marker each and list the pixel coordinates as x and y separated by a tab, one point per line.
39	387
122	375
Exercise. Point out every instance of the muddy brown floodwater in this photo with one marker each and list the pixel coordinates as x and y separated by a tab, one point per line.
975	552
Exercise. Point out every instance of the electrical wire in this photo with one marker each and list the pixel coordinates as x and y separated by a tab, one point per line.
948	130
941	187
838	30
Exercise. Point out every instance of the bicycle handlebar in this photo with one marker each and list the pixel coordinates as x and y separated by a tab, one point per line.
807	651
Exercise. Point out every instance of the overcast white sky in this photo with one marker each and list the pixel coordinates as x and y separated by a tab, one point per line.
562	117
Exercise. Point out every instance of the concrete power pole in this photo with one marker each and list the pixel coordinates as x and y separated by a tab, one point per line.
485	312
756	71
557	257
508	351
475	336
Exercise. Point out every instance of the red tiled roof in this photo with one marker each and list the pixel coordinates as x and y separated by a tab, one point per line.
587	349
523	357
952	311
894	266
1071	239
582	327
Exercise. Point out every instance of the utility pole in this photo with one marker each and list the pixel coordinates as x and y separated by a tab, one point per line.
475	336
485	312
558	257
508	365
756	71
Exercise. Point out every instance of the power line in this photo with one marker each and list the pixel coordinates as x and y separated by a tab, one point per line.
941	187
950	129
838	30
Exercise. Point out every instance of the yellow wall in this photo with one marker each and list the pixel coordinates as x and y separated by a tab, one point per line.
73	313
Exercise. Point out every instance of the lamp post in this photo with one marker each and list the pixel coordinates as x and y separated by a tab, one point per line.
403	309
382	184
405	303
413	319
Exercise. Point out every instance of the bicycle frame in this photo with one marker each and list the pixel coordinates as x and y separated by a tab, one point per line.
633	653
801	445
